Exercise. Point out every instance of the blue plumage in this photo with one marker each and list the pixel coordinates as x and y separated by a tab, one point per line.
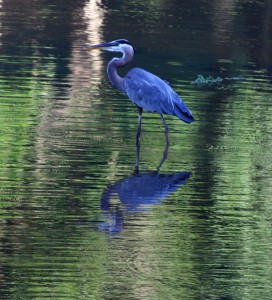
153	94
145	89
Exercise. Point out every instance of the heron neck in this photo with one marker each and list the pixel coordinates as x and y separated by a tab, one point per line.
113	65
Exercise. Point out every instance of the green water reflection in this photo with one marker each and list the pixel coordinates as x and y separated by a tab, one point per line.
66	135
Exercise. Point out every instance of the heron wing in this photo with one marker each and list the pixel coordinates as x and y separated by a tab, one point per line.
153	94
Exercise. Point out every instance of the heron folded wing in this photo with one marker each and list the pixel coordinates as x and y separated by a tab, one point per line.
142	93
154	94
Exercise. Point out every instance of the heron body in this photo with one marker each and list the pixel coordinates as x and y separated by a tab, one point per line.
153	94
146	90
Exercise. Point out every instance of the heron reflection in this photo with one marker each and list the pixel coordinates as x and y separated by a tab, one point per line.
136	193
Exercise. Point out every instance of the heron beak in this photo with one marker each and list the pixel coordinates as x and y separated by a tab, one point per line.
97	46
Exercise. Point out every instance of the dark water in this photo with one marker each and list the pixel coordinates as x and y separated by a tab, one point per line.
75	221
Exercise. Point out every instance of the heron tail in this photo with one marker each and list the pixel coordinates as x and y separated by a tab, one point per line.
183	113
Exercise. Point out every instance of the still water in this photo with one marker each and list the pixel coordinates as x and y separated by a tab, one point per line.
76	221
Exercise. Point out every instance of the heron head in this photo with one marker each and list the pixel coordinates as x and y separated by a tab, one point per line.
114	46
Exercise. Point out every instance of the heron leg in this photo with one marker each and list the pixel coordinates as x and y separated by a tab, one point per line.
165	155
166	130
140	110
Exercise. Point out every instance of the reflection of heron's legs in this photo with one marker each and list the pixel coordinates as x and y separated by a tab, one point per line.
166	130
165	155
138	138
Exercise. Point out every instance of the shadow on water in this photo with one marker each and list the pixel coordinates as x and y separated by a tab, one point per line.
135	194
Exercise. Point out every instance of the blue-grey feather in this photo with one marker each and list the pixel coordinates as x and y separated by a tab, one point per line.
153	94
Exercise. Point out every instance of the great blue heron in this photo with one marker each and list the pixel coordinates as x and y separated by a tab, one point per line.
144	89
